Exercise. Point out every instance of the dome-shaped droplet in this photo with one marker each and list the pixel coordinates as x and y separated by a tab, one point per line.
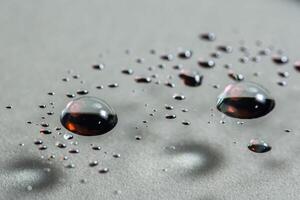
259	146
192	79
88	116
245	100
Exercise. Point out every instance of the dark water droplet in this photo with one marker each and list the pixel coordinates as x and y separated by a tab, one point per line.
43	147
282	83
82	92
245	101
74	151
186	54
143	79
236	77
127	71
103	170
44	124
51	93
45	131
8	107
140	60
50	113
42	106
138	137
225	48
113	85
297	66
256	59
207	63
283	74
177	67
216	55
76	76
116	155
161	66
38	142
192	79
259	146
185	110
244	59
70	95
93	163
98	66
280	59
186	122
170	116
169	107
167	57
178	97
169	84
208	36
65	79
61	145
88	116
97	148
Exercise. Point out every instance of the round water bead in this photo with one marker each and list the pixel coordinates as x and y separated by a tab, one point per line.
245	100
88	116
259	146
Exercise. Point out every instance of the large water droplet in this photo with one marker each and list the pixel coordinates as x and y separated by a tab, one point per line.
88	116
245	100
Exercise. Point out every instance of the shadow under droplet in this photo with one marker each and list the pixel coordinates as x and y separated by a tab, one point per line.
197	159
32	172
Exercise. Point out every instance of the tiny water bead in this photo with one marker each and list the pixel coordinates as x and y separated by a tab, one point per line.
235	76
280	59
208	36
143	79
98	67
82	92
245	100
178	97
88	116
170	116
259	146
206	63
225	48
167	57
127	71
192	79
113	85
185	54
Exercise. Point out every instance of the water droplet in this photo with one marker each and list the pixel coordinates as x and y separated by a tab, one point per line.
68	136
127	71
113	85
103	170
116	155
51	93
177	67
185	122
50	113
143	79
70	95
42	106
97	148
82	92
216	54
206	63
70	166
45	131
244	59
245	100
297	65
42	147
169	107
280	59
61	145
170	116
93	163
259	146
65	79
138	137
265	52
38	142
76	76
282	83
169	84
192	79
235	76
74	151
178	97
43	124
98	66
283	74
186	54
225	48
208	36
167	57
88	116
8	107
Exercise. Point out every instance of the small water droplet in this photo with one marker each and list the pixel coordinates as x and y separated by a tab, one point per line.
208	36
185	122
297	66
259	146
186	54
61	145
70	95
93	163
68	136
65	79
283	74
74	151
127	71
170	116
29	188
225	48
138	137
82	92
42	106
178	97
113	85
206	63
235	76
169	107
143	79
192	79
98	66
103	170
42	147
280	59
282	83
70	166
167	57
169	84
45	131
116	155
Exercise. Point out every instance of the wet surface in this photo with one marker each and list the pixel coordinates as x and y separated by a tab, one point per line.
53	49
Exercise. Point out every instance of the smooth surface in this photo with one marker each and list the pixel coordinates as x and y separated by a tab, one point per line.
40	41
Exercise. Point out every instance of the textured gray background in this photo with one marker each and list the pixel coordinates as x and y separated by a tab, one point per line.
40	41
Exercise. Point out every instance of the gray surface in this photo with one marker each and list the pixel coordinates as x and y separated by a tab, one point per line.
40	40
